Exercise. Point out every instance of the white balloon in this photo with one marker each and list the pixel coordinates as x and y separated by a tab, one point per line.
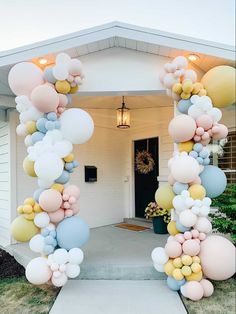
53	136
179	203
216	114
187	218
72	270
76	256
159	255
194	111
36	244
41	220
189	202
75	67
203	225
191	75
204	211
63	148
37	271
21	130
61	256
30	114
27	140
48	167
60	280
60	72
195	210
206	201
76	125
159	267
63	58
44	184
23	103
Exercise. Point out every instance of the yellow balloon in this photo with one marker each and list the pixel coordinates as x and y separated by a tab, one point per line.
219	83
57	186
187	86
74	89
22	229
186	260
28	166
29	201
186	146
20	210
197	191
177	88
37	208
196	88
177	262
69	158
27	209
196	259
185	95
196	267
171	228
195	277
177	274
62	87
29	216
202	92
169	268
186	271
31	127
164	196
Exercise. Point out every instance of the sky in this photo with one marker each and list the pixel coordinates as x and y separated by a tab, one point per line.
24	22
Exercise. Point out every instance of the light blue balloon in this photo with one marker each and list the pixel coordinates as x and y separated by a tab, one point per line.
36	137
49	240
49	125
37	194
184	105
172	283
193	154
45	232
204	153
52	116
72	232
75	163
53	233
197	147
48	75
57	124
48	249
180	227
179	187
181	282
69	97
64	177
69	166
40	124
199	160
206	161
214	181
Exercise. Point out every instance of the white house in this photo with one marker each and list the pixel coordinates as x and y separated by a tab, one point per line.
119	60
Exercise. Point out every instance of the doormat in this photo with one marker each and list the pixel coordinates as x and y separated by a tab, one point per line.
132	227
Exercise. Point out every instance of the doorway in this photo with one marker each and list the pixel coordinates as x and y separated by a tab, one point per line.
145	184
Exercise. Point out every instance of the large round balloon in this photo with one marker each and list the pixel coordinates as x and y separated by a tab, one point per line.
182	128
23	229
213	180
37	271
45	98
185	169
24	77
76	125
217	256
219	83
48	167
164	196
72	232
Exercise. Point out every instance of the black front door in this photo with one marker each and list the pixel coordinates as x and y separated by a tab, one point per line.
145	184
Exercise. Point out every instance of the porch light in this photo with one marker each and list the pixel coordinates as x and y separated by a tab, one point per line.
123	116
193	57
43	61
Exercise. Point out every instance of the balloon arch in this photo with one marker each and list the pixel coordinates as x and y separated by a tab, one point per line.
49	220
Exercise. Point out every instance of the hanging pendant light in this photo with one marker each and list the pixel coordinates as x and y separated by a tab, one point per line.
123	116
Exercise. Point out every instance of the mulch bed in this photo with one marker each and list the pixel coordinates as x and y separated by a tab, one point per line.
9	267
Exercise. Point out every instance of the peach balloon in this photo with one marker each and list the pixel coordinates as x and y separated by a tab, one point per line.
182	128
191	247
57	216
185	169
219	132
203	225
180	238
192	290
171	180
187	218
173	249
204	121
45	98
50	200
72	190
217	258
208	288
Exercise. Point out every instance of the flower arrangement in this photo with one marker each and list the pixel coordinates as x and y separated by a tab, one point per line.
153	210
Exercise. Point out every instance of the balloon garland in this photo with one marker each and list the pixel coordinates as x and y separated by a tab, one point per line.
49	219
191	255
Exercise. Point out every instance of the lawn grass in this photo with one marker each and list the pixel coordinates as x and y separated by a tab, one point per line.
18	296
223	301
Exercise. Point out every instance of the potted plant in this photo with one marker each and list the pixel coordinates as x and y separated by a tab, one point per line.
160	217
224	218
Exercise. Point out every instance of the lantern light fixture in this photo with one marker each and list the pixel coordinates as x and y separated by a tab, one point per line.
123	116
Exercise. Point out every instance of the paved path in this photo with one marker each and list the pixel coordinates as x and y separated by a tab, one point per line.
117	297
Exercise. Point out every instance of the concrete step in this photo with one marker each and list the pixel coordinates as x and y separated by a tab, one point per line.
116	297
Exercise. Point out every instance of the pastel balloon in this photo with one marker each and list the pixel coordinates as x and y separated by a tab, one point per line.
179	187
173	249
219	83
48	75
184	105
220	131
23	229
24	77
187	218
72	190
208	288
72	270
186	146
76	125
214	180
45	98
182	128
185	169
191	75
50	200
217	258
197	191
171	228
172	283
57	215
37	271
204	121
41	220
76	256
191	247
28	166
75	67
192	290
203	225
48	167
159	256
164	196
59	281
180	62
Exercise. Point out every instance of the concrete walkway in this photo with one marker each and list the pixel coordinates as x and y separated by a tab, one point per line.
117	297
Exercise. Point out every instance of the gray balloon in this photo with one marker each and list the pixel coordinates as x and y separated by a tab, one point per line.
48	75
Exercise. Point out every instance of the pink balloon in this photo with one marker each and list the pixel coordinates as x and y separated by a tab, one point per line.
57	216
199	131
45	98
202	236
217	258
72	190
68	212
191	247
219	132
205	142
173	249
182	128
66	205
208	287
197	138
187	235
191	75
192	290
65	196
180	238
63	100
75	67
171	180
205	122
203	225
205	136
24	77
72	200
195	233
196	181
50	200
75	208
169	80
